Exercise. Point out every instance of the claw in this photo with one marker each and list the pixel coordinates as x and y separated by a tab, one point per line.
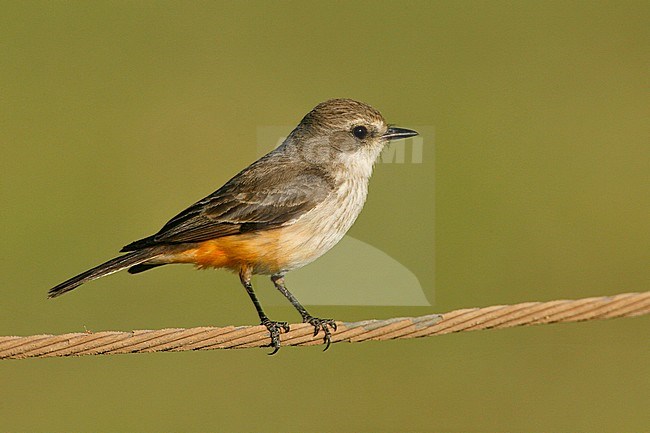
274	331
322	324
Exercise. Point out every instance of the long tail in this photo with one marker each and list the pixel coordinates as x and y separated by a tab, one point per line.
110	267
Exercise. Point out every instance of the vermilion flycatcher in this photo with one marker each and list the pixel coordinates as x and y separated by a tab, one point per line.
280	213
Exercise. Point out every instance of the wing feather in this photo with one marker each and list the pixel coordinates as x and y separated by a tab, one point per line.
255	199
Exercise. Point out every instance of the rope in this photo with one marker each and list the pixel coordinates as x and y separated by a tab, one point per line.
230	337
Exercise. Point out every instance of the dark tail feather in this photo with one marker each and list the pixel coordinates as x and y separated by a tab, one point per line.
111	266
142	267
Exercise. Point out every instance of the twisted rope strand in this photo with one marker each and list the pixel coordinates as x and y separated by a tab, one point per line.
302	334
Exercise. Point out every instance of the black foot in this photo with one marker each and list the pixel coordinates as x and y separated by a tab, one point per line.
323	324
274	330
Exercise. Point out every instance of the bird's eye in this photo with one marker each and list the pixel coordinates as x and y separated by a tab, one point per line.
360	132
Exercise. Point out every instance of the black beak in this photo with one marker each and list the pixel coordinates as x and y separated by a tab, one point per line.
394	133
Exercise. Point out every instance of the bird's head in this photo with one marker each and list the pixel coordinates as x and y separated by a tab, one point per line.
345	131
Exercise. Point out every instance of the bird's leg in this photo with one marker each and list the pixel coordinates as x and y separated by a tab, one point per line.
318	324
273	326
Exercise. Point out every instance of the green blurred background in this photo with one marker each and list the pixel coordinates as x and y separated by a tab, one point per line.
535	185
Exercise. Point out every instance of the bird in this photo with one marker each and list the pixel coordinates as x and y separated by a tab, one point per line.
278	214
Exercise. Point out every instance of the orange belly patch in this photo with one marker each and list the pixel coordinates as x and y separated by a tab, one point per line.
262	252
259	251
